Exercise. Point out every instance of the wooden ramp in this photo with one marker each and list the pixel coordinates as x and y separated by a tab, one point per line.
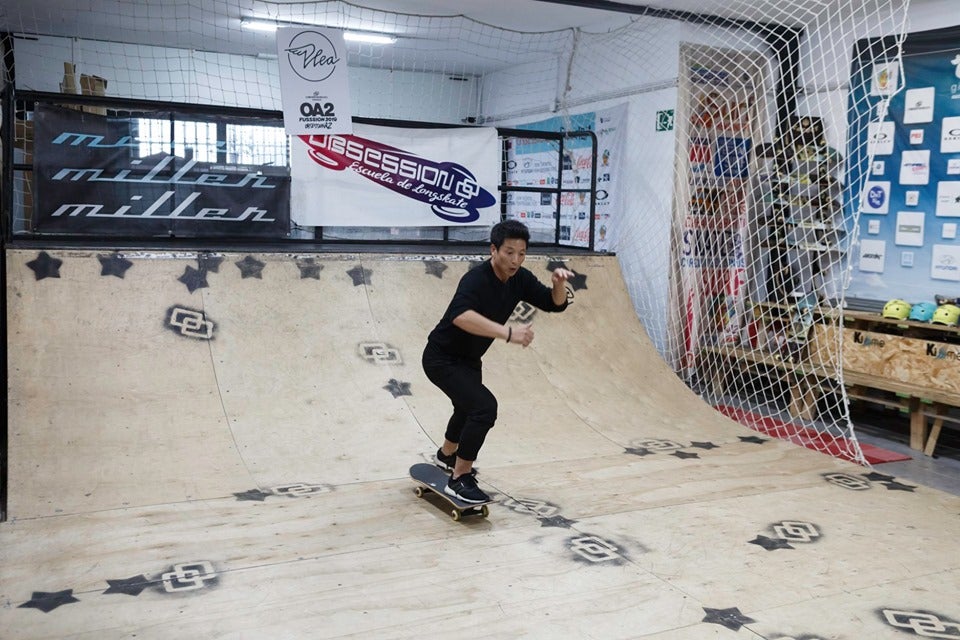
216	446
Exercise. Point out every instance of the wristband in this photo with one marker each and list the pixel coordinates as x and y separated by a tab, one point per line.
509	333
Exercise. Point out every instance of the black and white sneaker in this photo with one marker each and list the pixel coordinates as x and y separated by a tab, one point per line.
465	488
444	461
447	462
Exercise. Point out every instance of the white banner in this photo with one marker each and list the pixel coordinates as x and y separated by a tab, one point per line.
314	87
394	177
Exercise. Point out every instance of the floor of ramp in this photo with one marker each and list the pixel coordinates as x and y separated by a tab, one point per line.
217	445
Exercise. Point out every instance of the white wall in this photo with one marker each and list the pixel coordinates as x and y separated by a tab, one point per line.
180	75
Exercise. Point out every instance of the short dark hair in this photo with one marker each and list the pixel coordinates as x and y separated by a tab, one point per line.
509	229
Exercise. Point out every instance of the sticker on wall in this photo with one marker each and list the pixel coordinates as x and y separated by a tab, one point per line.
885	79
912	198
875	198
918	105
873	227
948	231
950	135
910	228
915	167
945	264
880	138
873	255
948	199
879	167
906	259
953	167
916	136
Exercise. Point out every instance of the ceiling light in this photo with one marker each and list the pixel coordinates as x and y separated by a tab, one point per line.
369	38
258	25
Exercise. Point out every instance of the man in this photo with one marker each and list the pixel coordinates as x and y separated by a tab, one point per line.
477	315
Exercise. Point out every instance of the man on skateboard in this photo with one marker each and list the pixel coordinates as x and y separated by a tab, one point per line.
476	316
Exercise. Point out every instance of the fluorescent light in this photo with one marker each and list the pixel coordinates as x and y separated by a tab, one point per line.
369	38
258	25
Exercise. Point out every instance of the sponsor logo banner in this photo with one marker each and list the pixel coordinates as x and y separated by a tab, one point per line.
910	228
92	178
946	262
875	197
950	135
314	87
880	138
918	105
915	167
948	199
873	255
395	177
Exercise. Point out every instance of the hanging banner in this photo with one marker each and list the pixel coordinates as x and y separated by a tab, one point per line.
314	86
719	94
396	177
94	176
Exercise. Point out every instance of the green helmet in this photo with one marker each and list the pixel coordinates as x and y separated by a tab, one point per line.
948	314
897	309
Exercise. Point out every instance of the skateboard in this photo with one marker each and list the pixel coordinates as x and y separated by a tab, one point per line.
430	478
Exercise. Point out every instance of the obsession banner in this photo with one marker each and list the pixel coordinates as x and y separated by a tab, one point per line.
92	179
395	177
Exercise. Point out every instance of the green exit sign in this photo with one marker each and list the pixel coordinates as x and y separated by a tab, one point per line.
665	120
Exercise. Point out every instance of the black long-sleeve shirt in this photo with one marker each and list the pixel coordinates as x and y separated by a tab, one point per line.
482	291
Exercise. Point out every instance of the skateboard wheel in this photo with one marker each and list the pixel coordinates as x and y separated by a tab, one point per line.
456	515
419	492
484	511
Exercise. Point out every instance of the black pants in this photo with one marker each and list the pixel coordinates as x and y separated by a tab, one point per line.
474	406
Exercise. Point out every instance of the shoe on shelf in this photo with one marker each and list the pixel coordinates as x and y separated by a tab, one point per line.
465	488
447	462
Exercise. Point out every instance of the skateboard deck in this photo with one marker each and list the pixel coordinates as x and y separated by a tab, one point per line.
433	479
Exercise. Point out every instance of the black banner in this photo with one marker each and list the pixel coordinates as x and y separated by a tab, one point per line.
91	179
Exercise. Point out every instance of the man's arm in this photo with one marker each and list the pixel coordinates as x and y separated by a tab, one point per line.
478	325
559	278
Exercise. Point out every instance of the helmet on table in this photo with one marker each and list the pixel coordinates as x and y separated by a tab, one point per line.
922	311
897	309
948	314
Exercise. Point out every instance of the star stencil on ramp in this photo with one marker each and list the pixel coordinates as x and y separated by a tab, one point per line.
730	618
638	451
209	263
770	544
250	267
113	265
683	455
129	586
577	282
704	445
398	388
309	268
253	495
360	275
194	279
435	268
752	439
45	266
48	601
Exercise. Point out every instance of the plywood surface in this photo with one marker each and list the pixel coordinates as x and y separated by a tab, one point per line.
251	483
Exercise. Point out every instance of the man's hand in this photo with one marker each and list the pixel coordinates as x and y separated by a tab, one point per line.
521	334
561	275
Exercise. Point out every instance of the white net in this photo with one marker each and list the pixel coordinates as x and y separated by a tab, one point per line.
721	155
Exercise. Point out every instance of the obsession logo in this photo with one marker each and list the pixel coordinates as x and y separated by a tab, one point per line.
449	188
312	56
